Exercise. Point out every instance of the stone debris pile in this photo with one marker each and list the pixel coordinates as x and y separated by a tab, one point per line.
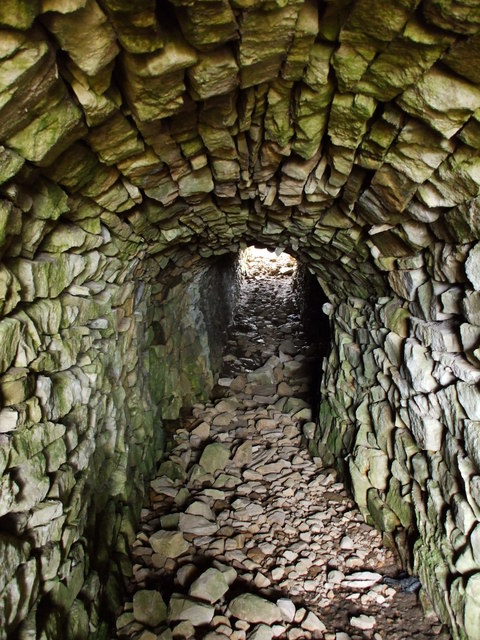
247	536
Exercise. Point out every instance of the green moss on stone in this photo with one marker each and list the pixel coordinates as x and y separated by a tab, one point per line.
10	163
383	517
399	504
18	14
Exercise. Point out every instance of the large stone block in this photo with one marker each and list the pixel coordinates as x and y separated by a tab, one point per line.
419	366
87	24
444	101
453	16
47	276
19	14
348	117
469	398
311	117
205	24
10	163
9	341
253	608
472	266
115	140
404	60
406	282
372	20
440	336
472	440
154	83
472	607
215	73
19	596
136	25
306	29
455	182
44	139
383	517
265	36
149	607
184	608
426	427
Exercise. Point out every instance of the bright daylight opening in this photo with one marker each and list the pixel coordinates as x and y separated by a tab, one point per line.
256	260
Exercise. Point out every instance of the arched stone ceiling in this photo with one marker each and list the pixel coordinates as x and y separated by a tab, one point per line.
348	131
138	137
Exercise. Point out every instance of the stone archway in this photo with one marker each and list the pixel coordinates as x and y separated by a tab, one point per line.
141	138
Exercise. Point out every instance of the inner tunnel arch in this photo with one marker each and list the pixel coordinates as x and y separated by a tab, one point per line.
130	152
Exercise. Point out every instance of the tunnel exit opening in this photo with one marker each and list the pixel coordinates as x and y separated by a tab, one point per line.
277	318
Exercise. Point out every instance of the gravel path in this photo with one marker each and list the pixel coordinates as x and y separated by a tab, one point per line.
246	536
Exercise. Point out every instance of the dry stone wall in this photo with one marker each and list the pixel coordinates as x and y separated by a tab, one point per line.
89	380
139	138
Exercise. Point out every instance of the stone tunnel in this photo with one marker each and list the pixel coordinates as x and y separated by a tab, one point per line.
144	144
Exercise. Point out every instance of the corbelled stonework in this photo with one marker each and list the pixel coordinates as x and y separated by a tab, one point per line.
140	141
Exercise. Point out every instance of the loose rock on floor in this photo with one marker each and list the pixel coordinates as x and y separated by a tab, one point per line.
247	537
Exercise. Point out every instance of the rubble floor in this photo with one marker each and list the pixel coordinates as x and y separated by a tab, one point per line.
248	537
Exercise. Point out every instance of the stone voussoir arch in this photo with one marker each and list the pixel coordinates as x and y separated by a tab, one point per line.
140	141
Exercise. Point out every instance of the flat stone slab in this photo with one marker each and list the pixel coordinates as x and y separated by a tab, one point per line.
169	544
252	608
184	608
149	607
214	457
211	586
198	525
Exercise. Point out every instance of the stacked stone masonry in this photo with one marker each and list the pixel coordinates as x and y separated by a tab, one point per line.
142	140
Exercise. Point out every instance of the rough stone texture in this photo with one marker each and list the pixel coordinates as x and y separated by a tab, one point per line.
253	608
135	145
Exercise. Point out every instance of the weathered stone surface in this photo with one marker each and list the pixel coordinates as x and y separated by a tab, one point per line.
472	440
9	341
149	607
214	457
347	122
168	544
137	30
140	139
48	135
265	35
181	608
252	608
214	74
419	366
154	83
115	140
210	586
87	24
444	101
469	396
472	267
472	616
427	429
198	525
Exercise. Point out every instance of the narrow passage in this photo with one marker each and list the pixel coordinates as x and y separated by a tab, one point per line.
246	536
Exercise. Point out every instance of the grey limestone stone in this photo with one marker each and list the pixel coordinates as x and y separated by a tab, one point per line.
252	608
214	457
210	586
183	608
169	544
149	607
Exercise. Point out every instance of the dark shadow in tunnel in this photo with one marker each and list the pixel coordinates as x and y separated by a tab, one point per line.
310	299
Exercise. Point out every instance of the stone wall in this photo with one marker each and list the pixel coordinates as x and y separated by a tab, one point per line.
88	380
218	288
399	416
138	138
